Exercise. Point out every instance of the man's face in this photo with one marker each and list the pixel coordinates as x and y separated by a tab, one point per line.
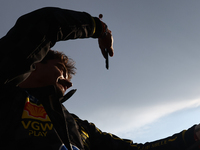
53	73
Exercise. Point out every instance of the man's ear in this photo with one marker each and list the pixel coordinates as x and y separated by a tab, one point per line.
37	66
30	80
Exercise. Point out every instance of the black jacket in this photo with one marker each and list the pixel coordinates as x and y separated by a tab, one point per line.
35	118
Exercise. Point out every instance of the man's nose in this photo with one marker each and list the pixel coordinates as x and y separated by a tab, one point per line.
65	83
69	84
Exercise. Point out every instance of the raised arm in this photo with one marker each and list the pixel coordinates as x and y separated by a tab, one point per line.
35	33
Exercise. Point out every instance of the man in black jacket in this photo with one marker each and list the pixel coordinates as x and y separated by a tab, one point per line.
34	79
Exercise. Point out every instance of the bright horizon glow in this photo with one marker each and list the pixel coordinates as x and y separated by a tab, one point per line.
145	115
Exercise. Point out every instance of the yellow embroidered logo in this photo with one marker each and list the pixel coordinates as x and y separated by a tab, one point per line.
38	129
35	119
34	111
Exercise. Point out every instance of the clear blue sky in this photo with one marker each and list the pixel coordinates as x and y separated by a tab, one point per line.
152	89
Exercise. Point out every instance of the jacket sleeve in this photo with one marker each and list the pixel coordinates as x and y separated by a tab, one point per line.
35	33
96	139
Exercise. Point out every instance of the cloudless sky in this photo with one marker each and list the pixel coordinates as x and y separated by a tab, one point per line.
152	89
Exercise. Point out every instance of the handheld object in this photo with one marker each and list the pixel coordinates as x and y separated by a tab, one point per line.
107	56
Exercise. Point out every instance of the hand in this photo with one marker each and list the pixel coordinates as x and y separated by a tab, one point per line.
106	43
197	131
